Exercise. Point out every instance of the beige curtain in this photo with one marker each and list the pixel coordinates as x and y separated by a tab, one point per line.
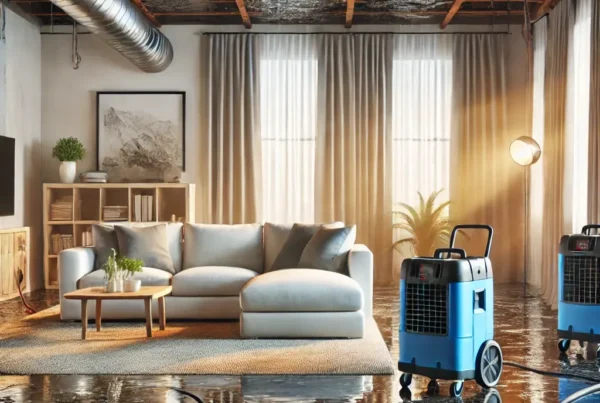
353	157
594	140
486	186
560	23
231	149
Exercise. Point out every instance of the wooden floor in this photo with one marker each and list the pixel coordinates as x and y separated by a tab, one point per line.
525	329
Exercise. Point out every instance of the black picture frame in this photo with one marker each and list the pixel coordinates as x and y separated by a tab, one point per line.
183	117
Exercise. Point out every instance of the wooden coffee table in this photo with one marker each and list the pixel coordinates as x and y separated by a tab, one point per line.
98	294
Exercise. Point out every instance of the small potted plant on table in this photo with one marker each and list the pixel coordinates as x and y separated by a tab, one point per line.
112	275
68	151
129	267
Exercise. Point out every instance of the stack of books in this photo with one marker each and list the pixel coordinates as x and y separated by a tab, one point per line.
61	210
115	213
86	238
61	242
94	177
143	208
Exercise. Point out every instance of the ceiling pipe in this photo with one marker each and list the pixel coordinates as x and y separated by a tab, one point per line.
122	26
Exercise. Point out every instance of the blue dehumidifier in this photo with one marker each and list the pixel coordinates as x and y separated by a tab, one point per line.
446	325
579	288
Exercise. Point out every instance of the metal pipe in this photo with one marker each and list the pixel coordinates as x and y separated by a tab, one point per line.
122	26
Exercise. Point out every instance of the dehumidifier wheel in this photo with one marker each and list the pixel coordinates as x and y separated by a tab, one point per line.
405	380
563	345
456	389
489	364
492	396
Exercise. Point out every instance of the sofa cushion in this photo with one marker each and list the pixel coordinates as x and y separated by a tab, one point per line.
275	236
328	249
107	239
149	244
301	290
148	276
211	281
224	245
296	241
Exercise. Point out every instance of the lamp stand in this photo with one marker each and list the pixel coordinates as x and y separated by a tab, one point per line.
525	230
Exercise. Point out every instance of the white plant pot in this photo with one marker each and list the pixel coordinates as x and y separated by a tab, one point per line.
67	171
119	285
111	286
132	285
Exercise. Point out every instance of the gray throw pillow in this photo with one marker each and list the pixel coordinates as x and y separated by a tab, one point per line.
328	249
149	244
105	239
296	241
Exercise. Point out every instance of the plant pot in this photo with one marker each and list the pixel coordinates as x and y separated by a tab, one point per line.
67	171
131	285
119	285
111	286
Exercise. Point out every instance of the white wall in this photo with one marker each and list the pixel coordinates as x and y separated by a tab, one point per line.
21	110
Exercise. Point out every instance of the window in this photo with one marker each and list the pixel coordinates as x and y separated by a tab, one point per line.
421	103
288	93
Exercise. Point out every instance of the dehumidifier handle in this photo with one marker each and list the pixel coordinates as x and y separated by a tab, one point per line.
586	228
438	252
490	230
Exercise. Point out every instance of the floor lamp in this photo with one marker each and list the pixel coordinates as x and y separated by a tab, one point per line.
525	151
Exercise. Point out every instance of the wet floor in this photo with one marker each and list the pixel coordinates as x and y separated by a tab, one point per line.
525	329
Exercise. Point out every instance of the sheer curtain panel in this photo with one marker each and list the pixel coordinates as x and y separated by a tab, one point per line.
231	147
594	134
486	186
288	93
353	158
560	27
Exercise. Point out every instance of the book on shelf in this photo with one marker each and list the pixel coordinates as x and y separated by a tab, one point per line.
114	213
61	209
138	208
144	208
86	238
61	242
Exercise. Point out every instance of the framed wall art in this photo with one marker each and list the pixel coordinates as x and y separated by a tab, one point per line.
140	135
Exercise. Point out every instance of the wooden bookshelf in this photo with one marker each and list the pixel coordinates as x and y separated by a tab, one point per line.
80	205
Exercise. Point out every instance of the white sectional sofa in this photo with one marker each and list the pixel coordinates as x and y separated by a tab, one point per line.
220	273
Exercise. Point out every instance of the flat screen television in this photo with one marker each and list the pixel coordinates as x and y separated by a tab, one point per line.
7	176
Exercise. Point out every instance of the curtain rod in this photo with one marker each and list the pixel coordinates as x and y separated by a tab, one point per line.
359	33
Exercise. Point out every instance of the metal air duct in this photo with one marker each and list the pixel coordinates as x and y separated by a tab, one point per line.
123	26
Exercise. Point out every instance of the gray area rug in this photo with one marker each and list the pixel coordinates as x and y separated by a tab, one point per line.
42	344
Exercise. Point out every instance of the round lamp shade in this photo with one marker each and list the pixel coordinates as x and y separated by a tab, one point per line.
525	151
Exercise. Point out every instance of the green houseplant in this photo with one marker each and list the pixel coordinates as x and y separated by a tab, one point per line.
114	282
68	151
426	226
129	267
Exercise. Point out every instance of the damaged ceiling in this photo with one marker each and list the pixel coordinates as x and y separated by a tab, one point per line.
345	12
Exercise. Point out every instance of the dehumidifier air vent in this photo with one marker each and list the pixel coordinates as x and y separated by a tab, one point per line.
426	308
581	280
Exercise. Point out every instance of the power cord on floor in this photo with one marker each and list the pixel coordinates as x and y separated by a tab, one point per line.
575	396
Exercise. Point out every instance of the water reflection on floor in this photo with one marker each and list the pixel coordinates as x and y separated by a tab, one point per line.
525	329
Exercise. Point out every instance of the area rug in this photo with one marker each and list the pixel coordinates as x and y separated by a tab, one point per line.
43	344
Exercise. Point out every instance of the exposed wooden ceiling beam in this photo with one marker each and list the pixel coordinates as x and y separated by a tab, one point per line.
349	13
451	13
241	5
544	9
466	13
142	7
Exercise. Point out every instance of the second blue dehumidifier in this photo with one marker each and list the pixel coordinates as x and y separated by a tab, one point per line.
446	325
579	288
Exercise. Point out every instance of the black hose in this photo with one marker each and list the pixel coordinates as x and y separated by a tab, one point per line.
550	373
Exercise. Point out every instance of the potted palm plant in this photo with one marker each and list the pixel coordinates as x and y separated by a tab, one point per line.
68	151
426	226
129	267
